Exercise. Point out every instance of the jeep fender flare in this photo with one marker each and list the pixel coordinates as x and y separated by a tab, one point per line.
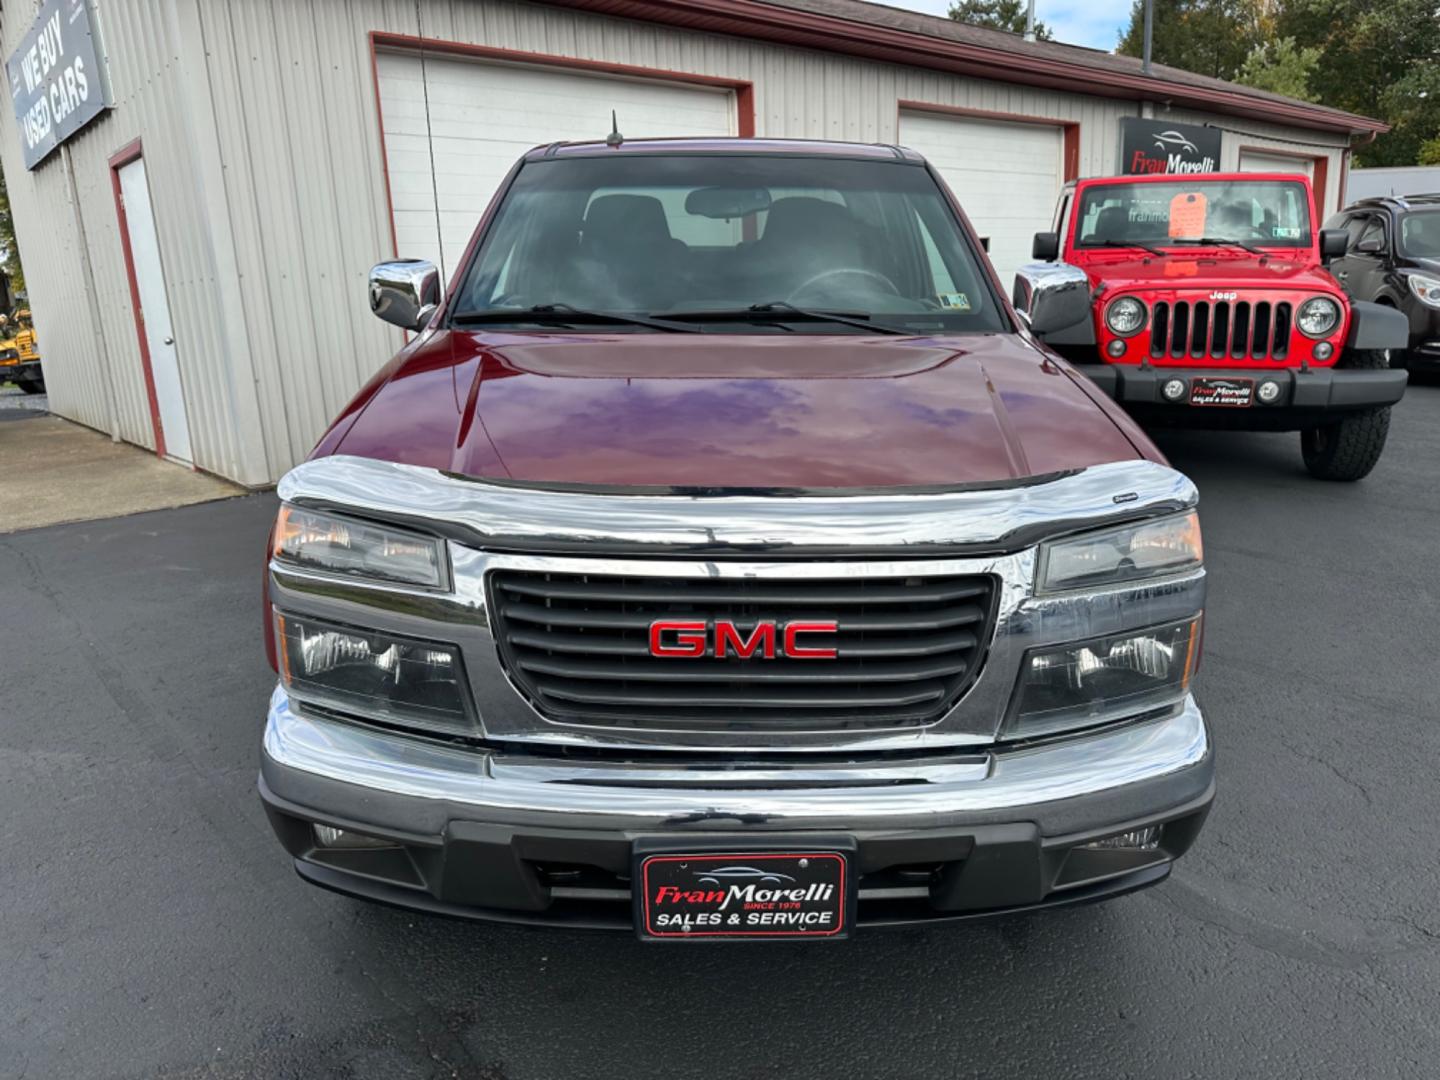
1376	326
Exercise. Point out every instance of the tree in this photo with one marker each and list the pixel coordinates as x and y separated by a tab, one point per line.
1376	59
1208	37
1007	15
9	250
1281	67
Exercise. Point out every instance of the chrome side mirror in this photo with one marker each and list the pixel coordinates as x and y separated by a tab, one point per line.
405	293
1052	296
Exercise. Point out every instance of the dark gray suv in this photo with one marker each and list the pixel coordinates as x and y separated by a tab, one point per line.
1393	258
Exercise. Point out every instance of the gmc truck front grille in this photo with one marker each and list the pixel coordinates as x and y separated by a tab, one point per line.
1222	330
579	647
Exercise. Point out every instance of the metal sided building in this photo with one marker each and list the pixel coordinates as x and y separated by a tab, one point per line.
199	203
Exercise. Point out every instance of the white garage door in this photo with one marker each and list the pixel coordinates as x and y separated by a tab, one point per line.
1007	176
1251	161
483	116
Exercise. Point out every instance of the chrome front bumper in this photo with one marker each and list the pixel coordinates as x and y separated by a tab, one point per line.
479	833
437	782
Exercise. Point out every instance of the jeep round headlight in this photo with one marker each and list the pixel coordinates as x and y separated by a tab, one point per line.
1318	316
1125	316
1426	289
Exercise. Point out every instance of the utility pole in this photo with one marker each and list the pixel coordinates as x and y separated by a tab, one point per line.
1149	32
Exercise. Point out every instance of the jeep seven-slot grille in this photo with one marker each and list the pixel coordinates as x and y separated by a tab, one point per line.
578	646
1222	330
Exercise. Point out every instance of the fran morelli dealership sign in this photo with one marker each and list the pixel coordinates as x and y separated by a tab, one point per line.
1159	146
55	78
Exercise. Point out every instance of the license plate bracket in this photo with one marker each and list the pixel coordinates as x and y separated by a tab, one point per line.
1222	393
745	892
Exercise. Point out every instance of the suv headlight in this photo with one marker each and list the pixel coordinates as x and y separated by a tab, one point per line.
1426	289
376	675
1093	682
1318	316
1158	548
1125	316
336	545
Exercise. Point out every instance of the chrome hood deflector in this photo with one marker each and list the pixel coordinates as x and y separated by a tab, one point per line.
508	517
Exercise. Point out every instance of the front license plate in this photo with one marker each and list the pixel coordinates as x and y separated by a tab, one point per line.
1226	393
744	895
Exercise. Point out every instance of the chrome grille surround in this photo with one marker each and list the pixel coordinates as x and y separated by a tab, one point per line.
991	531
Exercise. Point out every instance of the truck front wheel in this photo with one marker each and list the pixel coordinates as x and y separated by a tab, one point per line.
1349	448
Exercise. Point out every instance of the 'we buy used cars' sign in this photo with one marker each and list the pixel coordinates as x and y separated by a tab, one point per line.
55	78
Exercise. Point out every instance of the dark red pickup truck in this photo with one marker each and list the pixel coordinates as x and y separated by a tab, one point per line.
723	557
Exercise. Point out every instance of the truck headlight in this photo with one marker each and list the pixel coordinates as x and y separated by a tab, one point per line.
338	545
1426	289
1169	545
378	676
1318	316
1125	316
1092	682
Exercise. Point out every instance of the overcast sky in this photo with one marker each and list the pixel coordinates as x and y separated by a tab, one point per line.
1096	23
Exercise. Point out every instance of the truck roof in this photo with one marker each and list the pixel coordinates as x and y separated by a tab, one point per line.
735	146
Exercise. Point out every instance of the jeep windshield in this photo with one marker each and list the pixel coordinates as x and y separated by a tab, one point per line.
1243	213
757	243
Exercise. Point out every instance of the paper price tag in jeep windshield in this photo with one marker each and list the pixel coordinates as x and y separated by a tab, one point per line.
1187	216
757	895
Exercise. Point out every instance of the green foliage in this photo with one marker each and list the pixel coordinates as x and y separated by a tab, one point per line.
9	250
1008	15
1281	67
1430	151
1208	37
1378	58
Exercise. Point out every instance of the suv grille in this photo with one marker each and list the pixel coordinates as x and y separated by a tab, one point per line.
1221	331
577	645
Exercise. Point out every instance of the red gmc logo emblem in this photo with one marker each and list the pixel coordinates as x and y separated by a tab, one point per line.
692	638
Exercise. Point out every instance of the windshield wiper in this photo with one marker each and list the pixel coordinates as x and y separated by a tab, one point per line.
1132	243
565	315
791	313
1215	241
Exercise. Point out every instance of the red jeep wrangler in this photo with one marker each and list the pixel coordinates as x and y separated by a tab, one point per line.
1212	307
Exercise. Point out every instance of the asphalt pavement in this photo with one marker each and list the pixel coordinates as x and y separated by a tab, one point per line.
150	925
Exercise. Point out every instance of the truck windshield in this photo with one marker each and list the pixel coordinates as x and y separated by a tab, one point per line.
1420	234
771	243
1264	213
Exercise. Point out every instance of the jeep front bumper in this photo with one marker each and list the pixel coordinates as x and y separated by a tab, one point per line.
538	838
1312	391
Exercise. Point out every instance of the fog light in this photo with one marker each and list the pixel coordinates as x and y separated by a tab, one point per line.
1323	350
1268	391
1174	389
1116	348
328	837
1146	839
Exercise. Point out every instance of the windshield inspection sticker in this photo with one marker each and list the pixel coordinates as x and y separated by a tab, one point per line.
954	301
1187	216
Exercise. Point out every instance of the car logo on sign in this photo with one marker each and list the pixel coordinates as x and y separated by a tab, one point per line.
1223	295
1176	140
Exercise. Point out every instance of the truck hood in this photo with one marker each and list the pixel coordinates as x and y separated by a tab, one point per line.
1223	272
782	411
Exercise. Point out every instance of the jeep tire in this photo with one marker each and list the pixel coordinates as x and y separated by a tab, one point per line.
1349	448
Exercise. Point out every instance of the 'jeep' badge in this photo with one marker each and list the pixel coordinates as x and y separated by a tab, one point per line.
1223	295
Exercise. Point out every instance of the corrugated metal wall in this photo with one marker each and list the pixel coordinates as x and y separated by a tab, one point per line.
150	90
262	143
